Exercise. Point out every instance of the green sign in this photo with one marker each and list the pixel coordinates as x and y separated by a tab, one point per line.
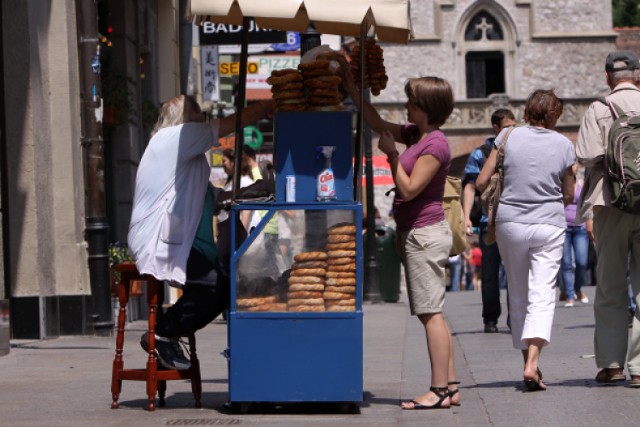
252	137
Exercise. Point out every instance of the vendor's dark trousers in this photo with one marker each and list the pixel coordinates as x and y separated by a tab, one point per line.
204	296
491	308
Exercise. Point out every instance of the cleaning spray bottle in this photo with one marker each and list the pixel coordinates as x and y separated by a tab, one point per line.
326	184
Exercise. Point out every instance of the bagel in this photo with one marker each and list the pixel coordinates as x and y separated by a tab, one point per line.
341	281
310	256
298	101
342	228
340	275
343	267
309	264
287	86
319	272
252	302
328	295
339	246
283	71
341	289
341	238
306	287
341	308
341	254
287	78
342	261
324	93
307	308
287	94
334	107
304	294
318	63
343	302
305	301
306	279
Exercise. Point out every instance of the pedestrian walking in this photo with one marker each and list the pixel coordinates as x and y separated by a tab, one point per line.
620	248
425	238
576	250
491	260
530	223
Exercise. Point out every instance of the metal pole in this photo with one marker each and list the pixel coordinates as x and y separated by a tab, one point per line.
96	232
371	251
240	101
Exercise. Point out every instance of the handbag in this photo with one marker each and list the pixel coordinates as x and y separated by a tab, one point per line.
490	197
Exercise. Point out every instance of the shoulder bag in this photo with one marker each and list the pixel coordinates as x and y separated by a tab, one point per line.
490	197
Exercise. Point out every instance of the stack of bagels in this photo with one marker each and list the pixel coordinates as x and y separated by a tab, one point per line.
321	85
340	286
287	90
307	282
268	303
375	73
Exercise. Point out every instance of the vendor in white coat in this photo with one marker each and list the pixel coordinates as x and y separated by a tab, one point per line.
171	231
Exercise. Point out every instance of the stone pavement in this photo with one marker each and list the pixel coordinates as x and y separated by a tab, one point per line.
66	381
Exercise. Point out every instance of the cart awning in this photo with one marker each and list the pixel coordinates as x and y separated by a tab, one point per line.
343	17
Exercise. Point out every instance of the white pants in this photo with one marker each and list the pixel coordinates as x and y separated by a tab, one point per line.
531	254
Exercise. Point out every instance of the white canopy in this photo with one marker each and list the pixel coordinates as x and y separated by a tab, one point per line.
343	17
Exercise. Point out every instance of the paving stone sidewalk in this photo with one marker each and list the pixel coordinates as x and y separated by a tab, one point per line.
66	381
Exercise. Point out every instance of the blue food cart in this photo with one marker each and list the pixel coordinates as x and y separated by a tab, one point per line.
274	354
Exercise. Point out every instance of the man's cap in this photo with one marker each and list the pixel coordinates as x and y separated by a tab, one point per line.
614	60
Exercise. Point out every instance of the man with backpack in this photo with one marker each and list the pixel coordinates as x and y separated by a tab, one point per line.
474	217
616	225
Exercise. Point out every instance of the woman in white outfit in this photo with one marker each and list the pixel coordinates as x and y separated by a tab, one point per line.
530	223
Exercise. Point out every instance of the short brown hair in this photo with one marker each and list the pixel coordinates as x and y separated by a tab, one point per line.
432	95
543	108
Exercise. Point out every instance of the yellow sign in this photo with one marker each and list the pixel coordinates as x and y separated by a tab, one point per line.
233	68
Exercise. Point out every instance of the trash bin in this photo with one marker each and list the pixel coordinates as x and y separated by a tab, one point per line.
388	265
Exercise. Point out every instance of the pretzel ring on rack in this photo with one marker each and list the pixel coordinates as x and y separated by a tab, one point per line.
306	280
319	63
295	287
287	78
310	256
318	272
338	246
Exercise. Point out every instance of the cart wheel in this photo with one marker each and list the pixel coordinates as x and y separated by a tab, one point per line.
243	407
348	408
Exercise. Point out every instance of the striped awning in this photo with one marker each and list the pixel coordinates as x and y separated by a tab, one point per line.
342	17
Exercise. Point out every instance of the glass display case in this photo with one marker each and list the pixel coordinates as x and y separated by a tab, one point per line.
295	320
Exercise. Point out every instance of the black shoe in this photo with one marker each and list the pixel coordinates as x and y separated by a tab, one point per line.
490	328
168	352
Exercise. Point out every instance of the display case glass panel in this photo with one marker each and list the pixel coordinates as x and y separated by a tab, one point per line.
301	261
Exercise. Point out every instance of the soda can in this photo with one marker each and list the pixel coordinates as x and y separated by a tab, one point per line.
291	188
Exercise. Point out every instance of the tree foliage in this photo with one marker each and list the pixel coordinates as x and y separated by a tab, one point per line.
626	13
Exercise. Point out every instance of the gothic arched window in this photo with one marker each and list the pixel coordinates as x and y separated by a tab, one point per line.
483	27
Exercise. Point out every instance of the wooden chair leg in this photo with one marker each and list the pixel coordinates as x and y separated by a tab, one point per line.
118	362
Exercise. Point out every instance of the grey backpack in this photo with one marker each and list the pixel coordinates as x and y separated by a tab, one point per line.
622	159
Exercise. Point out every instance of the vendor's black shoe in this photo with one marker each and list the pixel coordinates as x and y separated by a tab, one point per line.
168	352
490	328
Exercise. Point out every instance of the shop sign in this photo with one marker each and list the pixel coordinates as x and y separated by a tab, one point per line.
210	74
217	34
233	68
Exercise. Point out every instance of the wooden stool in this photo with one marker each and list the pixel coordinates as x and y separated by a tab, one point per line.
156	377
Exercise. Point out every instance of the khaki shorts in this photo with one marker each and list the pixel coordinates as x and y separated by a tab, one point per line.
424	252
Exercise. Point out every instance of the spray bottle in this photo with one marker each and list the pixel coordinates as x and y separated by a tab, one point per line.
326	184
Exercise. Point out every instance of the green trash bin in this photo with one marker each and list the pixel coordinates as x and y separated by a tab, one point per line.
388	265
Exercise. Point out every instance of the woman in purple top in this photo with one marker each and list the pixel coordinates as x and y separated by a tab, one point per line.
424	236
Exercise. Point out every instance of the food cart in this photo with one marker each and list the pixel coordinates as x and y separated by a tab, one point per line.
277	351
